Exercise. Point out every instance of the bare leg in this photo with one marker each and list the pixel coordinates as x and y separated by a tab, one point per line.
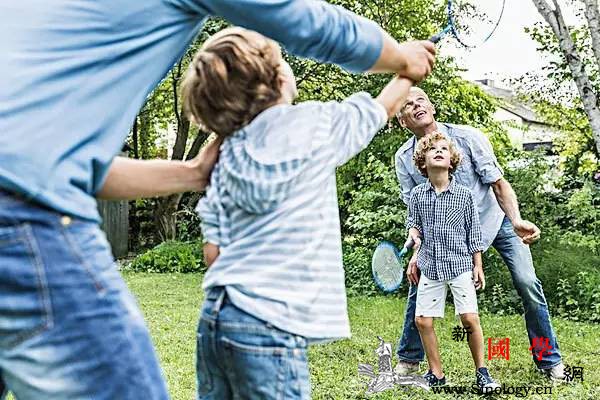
471	322
425	326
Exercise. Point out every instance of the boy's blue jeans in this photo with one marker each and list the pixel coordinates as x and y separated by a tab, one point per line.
517	257
241	357
69	327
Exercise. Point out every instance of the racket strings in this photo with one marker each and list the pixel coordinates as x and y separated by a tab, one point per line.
388	268
475	21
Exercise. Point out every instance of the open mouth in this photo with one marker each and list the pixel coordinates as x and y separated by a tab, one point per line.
420	114
439	158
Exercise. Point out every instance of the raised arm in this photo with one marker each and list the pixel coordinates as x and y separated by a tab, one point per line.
324	32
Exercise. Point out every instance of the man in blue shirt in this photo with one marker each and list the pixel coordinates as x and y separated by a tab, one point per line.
501	227
74	74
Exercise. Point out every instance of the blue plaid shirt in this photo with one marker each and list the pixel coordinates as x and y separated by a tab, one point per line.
477	171
449	225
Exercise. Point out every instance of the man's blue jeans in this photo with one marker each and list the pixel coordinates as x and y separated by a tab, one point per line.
242	357
517	257
69	327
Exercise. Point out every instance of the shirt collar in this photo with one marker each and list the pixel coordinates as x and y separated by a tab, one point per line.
451	187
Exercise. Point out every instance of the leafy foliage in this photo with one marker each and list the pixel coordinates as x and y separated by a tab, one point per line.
171	257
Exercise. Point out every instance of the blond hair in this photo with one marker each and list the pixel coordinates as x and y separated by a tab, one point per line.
426	143
233	77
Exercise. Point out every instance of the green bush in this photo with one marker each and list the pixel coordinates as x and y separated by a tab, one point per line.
171	257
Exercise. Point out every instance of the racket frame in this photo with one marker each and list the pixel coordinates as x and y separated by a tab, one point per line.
451	27
399	254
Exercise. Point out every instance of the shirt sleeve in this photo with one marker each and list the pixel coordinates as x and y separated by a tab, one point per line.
473	227
354	123
484	160
406	182
413	218
308	28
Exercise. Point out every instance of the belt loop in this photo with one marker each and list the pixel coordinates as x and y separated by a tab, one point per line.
219	301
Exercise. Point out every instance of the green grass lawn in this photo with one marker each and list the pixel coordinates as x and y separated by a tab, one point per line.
171	302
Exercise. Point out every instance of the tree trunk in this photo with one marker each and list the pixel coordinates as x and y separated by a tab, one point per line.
165	217
166	212
589	99
135	139
592	15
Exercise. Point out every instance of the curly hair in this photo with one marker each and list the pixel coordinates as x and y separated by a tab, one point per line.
233	77
426	143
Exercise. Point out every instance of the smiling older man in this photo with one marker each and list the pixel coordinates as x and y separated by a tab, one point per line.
501	222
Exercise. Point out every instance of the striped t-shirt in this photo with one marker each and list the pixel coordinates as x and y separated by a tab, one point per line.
272	209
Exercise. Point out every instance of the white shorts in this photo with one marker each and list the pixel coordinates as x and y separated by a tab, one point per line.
431	295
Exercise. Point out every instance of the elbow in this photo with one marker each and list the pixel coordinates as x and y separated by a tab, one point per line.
499	186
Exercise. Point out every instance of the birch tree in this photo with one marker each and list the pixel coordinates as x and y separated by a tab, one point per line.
553	15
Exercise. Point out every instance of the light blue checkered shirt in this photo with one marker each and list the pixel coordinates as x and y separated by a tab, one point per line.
477	171
272	209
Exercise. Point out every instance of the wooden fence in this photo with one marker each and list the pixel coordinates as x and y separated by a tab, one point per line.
115	223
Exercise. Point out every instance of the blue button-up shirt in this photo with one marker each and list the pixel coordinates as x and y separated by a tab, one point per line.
478	170
74	74
449	225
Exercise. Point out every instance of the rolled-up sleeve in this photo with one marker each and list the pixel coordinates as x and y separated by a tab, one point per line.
354	123
413	218
308	28
472	226
483	157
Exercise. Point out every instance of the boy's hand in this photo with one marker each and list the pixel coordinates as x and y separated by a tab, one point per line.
415	235
204	162
419	57
412	272
478	277
211	252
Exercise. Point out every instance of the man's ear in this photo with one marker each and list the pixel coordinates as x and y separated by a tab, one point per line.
433	110
401	120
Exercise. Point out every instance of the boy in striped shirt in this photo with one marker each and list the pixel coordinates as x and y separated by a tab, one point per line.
270	217
445	215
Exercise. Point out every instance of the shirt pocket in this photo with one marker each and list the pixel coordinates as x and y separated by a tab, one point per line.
455	218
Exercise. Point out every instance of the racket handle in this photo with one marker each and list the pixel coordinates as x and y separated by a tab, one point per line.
437	37
409	243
